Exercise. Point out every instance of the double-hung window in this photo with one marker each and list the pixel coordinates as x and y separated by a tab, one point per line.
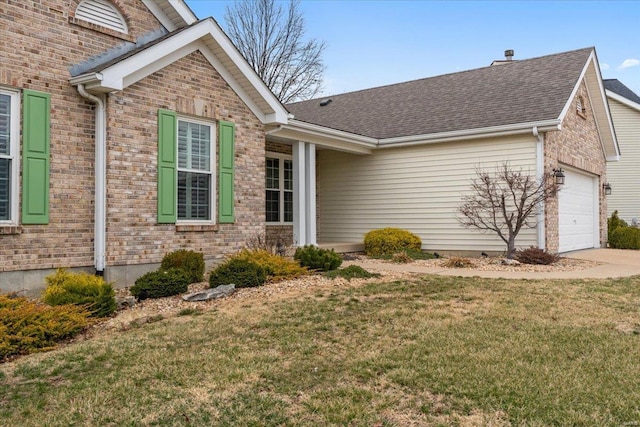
279	185
195	171
9	158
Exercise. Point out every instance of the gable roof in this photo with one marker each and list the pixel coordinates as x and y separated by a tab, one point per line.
621	93
531	90
205	36
172	14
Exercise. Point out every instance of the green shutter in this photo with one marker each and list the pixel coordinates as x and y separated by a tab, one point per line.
35	157
167	178
227	141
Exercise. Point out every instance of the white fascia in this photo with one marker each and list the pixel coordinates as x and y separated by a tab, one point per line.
148	61
621	99
466	134
326	137
185	15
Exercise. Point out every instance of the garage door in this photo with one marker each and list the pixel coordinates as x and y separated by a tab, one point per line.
578	212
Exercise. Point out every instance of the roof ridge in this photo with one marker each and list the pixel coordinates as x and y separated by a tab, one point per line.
440	75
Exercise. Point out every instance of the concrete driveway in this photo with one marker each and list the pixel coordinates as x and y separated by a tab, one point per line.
613	263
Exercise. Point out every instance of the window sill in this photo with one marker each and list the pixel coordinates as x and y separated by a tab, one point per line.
196	227
278	223
10	229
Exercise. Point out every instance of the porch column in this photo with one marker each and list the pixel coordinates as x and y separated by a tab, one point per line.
299	194
310	183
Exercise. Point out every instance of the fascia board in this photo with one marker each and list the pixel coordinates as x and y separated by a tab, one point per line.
184	11
156	10
314	129
621	99
494	131
229	48
567	105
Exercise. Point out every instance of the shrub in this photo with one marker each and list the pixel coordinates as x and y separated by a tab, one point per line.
315	258
276	267
351	272
92	292
240	272
27	327
388	241
615	222
161	283
625	238
189	261
535	255
458	262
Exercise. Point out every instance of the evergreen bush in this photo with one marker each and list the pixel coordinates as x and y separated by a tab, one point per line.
240	272
161	283
388	241
190	261
87	290
315	258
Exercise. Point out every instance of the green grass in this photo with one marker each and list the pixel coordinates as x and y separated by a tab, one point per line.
436	351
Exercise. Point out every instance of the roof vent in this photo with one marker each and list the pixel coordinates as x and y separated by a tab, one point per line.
508	54
325	102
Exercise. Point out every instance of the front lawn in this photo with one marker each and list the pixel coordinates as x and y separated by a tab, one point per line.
435	351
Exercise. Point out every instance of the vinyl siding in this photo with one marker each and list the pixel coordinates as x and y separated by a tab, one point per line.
624	175
416	188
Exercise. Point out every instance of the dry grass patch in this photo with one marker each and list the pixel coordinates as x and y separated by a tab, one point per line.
421	352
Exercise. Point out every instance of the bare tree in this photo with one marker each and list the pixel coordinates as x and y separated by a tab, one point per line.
271	38
505	202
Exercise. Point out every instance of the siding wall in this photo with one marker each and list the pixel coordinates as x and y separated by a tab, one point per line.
416	188
624	176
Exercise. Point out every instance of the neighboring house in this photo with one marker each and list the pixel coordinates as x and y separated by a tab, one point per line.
404	155
624	176
128	129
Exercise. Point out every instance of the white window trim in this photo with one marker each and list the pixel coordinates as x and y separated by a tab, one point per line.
14	156
281	157
212	162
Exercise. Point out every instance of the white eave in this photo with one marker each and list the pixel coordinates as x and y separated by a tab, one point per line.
208	38
172	14
621	99
595	89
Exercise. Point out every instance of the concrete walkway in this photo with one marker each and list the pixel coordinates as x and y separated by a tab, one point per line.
613	263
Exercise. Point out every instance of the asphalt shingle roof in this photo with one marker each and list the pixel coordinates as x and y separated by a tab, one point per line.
517	92
615	86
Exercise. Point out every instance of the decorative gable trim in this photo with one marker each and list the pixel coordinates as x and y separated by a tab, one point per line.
102	13
206	37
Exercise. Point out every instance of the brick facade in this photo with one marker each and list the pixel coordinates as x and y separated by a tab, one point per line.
576	145
41	60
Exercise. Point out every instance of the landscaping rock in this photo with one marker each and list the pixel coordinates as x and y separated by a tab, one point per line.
125	302
507	261
217	292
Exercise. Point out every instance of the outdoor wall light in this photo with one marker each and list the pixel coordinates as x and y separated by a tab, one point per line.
607	189
559	174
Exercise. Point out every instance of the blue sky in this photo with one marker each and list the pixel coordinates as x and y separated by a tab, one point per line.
374	43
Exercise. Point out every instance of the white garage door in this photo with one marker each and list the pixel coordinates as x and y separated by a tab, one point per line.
578	212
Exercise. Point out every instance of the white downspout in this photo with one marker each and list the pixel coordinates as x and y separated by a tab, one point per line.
541	228
100	229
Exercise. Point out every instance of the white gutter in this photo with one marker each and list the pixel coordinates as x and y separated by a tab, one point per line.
100	223
488	132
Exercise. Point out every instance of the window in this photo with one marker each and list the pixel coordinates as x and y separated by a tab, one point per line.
279	185
195	175
103	13
9	122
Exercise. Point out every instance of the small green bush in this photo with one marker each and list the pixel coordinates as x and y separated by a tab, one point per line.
189	261
351	272
240	272
28	327
87	290
161	283
388	241
276	267
615	222
537	256
625	238
315	258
